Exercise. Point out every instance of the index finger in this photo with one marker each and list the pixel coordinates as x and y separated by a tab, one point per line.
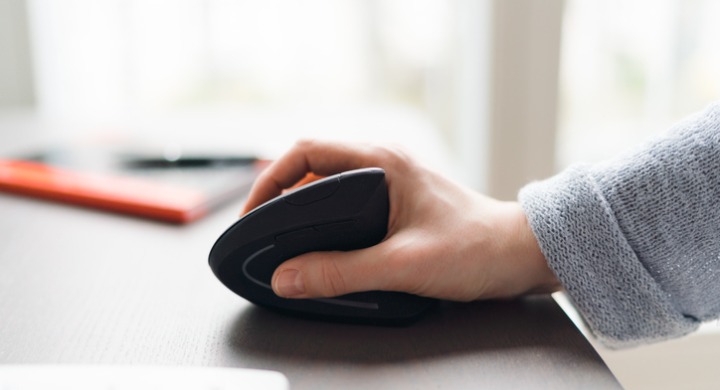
323	158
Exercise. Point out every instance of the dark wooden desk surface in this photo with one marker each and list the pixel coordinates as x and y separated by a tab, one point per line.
81	286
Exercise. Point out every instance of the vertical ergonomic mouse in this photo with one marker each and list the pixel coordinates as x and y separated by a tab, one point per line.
342	212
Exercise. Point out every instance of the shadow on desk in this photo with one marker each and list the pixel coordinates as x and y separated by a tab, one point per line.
535	324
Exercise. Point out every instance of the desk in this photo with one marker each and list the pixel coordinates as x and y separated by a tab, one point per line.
83	286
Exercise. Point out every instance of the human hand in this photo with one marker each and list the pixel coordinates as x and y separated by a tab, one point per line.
444	240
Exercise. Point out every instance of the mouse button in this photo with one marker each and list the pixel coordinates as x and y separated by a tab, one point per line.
297	235
313	193
241	233
341	226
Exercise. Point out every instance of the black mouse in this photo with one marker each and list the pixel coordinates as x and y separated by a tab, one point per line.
338	213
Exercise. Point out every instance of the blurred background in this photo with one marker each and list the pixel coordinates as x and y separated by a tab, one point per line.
509	91
494	93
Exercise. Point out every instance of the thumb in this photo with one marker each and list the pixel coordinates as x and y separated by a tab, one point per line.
329	274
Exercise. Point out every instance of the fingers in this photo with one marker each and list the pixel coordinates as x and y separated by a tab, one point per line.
329	274
320	157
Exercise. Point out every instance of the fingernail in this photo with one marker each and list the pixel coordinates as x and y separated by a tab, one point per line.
289	283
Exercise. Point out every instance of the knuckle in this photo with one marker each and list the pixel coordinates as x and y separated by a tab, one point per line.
305	143
396	157
333	281
263	176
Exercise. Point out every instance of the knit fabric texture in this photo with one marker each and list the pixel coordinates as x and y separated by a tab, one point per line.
635	241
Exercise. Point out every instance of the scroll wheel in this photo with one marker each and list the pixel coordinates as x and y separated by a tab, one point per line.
313	192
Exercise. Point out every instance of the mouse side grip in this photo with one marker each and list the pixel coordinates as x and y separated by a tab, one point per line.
353	216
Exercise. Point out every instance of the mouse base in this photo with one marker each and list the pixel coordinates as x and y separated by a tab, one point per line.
432	305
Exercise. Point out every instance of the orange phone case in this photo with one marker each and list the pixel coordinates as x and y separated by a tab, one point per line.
115	193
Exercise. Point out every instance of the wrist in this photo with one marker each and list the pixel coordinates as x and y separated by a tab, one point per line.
531	268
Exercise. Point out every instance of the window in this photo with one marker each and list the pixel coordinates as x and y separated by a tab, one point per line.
632	68
108	58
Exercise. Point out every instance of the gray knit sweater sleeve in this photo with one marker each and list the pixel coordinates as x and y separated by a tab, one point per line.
636	241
